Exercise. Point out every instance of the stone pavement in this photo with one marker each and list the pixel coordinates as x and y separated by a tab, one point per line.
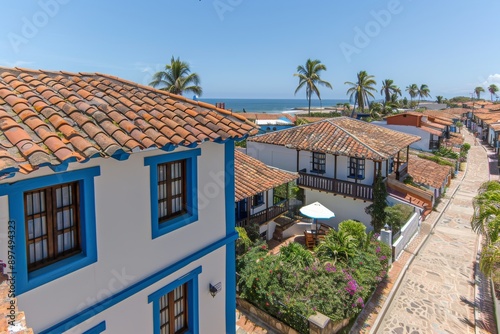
434	286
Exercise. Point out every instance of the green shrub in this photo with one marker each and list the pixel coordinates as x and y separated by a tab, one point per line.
243	243
446	153
354	228
398	215
252	231
436	159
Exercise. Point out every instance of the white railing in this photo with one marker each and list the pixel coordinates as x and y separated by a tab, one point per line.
408	231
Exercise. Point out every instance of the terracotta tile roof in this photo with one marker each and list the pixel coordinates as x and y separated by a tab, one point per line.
433	125
450	112
427	172
492	107
52	118
439	120
253	176
341	136
488	116
432	130
456	139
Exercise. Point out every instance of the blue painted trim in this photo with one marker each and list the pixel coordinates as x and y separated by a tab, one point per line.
27	281
193	301
192	191
97	329
137	287
230	247
120	155
62	167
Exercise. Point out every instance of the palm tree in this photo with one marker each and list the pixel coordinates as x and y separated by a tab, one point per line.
493	89
389	89
309	76
412	91
177	78
361	90
486	221
478	90
337	246
423	91
439	99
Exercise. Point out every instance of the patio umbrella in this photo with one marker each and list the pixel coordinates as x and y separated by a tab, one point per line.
315	211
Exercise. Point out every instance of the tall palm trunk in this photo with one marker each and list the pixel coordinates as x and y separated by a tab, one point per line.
309	95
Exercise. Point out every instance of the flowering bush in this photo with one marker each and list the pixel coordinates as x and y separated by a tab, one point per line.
293	286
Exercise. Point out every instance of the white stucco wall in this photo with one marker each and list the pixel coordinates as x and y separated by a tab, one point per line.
344	208
123	223
134	315
422	144
273	155
285	158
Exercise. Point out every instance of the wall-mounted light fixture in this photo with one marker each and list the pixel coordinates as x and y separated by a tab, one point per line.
215	289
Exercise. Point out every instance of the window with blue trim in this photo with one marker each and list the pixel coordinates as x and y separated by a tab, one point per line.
356	168
174	190
55	221
52	219
175	306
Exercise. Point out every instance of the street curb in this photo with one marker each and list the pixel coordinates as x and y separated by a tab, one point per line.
397	284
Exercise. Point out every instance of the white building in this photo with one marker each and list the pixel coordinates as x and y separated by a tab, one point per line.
257	197
116	205
337	160
431	130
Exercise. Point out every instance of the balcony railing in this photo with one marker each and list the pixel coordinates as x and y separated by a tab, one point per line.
340	187
265	215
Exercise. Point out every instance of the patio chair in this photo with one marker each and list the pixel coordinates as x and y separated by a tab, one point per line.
310	240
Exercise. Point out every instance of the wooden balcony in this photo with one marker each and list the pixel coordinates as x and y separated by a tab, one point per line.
346	188
265	215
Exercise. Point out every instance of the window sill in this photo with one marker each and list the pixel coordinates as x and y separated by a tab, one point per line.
56	270
317	171
173	224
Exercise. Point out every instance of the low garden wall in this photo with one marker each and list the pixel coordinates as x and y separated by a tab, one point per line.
407	233
318	323
264	317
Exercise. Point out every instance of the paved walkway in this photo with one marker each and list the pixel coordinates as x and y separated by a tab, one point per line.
434	287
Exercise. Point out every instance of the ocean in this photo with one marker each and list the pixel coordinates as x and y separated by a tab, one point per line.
271	105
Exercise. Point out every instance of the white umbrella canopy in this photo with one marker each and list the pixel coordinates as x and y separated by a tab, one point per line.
317	210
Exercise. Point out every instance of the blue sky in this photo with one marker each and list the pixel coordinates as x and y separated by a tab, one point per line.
251	48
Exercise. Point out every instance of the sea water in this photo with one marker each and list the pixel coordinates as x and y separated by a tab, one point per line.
271	105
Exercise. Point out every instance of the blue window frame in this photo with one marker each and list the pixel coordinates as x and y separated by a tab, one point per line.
174	190
97	329
356	168
27	279
185	290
